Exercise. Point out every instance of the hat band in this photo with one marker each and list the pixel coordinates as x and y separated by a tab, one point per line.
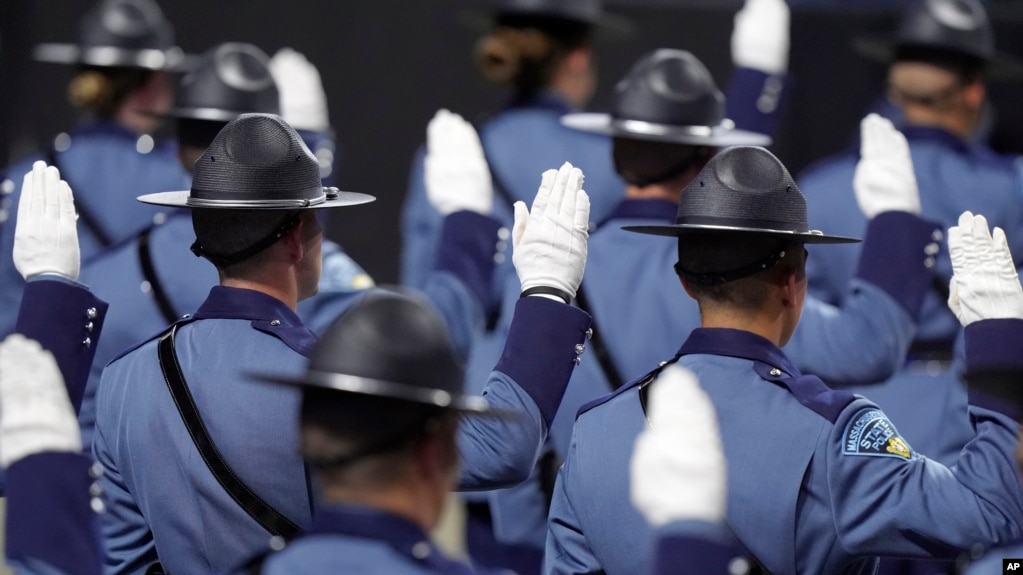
753	225
403	391
221	199
665	130
718	278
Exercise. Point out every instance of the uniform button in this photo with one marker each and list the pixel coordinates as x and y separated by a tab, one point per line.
421	550
577	360
145	287
929	263
662	364
776	372
7	187
277	543
186	316
145	144
62	142
739	566
97	505
275	322
937	235
579	348
159	218
87	342
89	326
96	470
91	313
95	490
932	249
589	333
503	234
499	258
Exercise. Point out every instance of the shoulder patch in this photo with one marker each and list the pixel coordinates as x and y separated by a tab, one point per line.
870	433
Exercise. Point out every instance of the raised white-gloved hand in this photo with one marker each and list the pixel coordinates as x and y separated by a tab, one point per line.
45	236
678	469
984	282
760	39
303	101
884	179
456	172
35	413
549	241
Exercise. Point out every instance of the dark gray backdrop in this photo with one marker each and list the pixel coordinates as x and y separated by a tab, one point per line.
388	64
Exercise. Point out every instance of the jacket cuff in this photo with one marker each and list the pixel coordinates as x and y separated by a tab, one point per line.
544	345
898	256
468	249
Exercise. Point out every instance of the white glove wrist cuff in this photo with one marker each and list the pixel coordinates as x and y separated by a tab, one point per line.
547	291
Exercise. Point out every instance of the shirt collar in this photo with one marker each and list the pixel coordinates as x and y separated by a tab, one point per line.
631	209
401	534
546	99
267	314
737	343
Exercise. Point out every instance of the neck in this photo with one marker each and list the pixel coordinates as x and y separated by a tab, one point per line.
956	124
129	116
404	500
756	322
670	193
286	292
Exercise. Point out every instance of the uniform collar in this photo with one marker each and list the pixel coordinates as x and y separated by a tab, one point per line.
937	135
267	314
545	99
737	343
404	536
632	209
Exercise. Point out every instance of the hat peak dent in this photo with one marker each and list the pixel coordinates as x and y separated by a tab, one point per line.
260	141
242	66
126	24
961	14
669	86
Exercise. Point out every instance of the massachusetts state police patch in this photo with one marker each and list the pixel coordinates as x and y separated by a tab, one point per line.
870	433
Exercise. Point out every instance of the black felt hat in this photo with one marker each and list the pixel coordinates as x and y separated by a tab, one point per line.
257	161
743	190
121	33
230	80
391	345
588	12
668	96
944	28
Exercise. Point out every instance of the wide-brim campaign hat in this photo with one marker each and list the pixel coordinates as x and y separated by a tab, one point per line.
391	345
746	190
257	161
668	96
955	28
121	33
588	12
230	80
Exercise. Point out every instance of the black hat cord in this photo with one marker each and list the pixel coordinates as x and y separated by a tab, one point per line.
222	261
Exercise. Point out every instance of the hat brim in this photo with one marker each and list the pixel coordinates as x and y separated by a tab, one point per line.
1002	68
181	199
680	230
608	27
345	383
718	136
171	60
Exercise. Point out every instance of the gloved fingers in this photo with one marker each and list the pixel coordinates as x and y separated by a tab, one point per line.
547	182
581	223
434	131
573	183
51	194
67	203
521	217
37	202
559	190
957	242
953	298
677	401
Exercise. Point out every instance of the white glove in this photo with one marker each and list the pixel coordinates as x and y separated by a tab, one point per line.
456	172
303	101
760	39
45	237
984	283
35	413
549	241
678	469
884	179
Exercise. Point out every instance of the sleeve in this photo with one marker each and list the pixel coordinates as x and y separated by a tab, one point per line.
755	100
695	548
567	551
11	282
51	525
528	383
420	228
130	547
890	501
461	282
65	318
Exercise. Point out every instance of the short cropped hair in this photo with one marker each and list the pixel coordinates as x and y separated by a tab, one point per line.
224	232
713	254
643	162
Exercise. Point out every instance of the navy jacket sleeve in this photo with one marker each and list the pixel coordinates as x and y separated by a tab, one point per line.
65	318
755	100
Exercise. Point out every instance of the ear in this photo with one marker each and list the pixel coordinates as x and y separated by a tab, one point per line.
974	94
579	60
787	288
292	241
685	286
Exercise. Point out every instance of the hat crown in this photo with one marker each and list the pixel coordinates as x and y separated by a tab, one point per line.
960	26
256	158
744	187
391	337
233	77
126	24
669	87
586	11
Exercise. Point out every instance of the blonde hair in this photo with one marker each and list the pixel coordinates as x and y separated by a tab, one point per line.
101	90
503	55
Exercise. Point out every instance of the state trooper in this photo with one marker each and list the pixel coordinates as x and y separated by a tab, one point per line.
819	480
939	57
153	277
382	401
124	55
544	52
268	259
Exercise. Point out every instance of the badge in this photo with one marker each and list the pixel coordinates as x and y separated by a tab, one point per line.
870	433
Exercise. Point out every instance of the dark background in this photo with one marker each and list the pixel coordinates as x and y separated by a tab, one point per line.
387	65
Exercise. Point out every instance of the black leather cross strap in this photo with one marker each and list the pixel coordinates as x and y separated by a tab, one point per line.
607	364
268	517
149	273
84	214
